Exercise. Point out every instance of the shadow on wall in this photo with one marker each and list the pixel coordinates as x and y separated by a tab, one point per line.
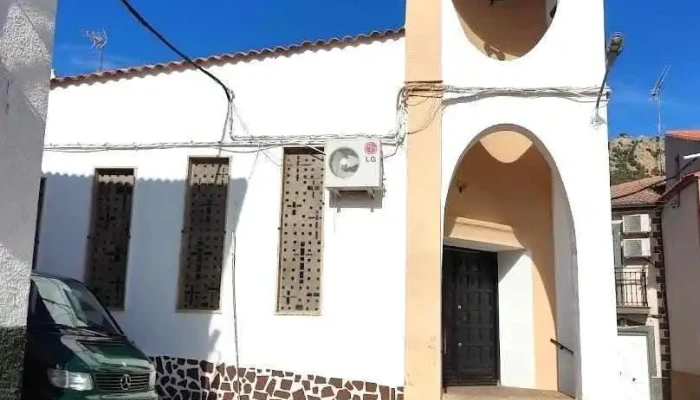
504	30
150	317
366	200
184	346
517	194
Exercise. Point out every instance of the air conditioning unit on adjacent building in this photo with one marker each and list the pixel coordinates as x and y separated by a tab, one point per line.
638	223
353	165
636	248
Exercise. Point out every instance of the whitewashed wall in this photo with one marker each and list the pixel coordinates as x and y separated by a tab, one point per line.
516	320
26	44
682	259
565	275
571	54
360	332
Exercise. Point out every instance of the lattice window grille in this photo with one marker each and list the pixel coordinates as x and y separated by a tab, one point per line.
204	234
110	234
301	233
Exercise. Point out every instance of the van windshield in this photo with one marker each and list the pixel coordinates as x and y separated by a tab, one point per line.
67	305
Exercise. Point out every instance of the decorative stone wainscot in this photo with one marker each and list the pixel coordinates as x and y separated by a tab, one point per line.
188	379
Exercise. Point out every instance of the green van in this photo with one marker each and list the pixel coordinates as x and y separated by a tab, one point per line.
76	350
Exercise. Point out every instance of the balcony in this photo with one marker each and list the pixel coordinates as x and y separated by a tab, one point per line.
631	291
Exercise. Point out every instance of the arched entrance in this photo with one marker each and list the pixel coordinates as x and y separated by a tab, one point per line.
506	277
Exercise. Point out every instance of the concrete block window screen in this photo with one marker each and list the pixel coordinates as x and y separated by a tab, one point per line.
301	234
108	243
203	234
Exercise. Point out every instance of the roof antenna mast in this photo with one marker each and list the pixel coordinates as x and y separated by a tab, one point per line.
98	40
656	92
656	95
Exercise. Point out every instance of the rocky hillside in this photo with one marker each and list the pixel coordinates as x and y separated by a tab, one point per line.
635	157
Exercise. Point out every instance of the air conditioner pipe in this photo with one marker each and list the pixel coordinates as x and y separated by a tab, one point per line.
691	156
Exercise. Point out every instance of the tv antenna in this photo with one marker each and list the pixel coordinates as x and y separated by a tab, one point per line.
656	95
98	41
656	92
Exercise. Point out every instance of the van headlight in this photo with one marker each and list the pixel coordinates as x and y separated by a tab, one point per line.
70	380
152	379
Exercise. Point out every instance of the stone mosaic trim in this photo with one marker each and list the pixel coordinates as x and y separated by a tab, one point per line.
188	379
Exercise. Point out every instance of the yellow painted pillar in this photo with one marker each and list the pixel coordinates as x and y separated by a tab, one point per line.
423	225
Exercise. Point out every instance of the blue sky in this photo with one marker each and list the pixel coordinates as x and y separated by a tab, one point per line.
657	33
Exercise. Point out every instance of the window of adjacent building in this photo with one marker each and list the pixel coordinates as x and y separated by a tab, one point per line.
110	226
301	233
203	234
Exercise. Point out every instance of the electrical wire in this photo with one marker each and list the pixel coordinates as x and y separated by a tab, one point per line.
235	311
580	94
395	137
260	142
228	123
244	126
93	148
234	146
229	93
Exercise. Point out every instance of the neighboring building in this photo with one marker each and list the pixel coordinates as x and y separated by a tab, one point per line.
680	143
639	282
179	237
681	226
26	42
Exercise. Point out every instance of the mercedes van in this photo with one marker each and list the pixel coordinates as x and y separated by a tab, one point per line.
76	349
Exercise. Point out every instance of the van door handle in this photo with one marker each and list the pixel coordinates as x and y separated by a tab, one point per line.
444	341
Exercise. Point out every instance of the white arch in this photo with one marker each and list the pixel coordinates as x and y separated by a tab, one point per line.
577	152
564	247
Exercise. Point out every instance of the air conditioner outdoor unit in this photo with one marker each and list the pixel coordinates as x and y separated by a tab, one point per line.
353	165
638	223
636	248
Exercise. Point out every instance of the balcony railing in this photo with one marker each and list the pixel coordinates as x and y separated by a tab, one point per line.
631	288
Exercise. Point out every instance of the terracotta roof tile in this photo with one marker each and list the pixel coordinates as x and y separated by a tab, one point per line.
645	191
229	57
685	134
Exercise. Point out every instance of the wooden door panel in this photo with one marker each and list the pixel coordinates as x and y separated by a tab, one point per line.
469	317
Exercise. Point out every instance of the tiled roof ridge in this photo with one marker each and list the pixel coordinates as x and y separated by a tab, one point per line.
226	57
686	134
644	191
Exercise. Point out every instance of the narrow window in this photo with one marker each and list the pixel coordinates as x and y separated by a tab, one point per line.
108	243
301	233
203	234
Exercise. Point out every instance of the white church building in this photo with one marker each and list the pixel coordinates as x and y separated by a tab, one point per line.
388	216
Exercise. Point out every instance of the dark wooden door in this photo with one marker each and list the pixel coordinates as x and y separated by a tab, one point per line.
470	323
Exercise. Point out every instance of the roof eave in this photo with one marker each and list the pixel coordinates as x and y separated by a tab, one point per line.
153	69
624	207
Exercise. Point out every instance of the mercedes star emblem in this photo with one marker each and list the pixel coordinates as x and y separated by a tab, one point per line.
125	382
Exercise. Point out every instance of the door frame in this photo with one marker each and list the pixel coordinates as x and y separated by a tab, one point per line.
497	333
655	389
